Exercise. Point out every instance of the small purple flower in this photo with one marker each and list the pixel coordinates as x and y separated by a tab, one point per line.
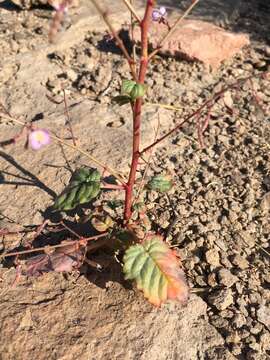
39	138
159	14
163	11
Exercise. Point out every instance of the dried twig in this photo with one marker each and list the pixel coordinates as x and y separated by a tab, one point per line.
68	119
63	244
117	38
132	10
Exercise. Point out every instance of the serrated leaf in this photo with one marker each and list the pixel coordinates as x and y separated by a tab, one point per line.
160	183
122	99
155	268
127	86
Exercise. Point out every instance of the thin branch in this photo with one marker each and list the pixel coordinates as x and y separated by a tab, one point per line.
165	106
207	104
68	119
89	247
55	137
172	29
132	25
132	10
117	38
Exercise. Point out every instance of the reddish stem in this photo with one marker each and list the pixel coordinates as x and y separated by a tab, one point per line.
137	110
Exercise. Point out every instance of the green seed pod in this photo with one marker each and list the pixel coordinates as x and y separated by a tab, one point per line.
127	86
137	91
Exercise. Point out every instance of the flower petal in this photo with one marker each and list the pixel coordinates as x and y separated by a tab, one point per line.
39	138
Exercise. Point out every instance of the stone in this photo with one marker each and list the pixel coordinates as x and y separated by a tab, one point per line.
186	42
226	278
116	318
265	203
221	299
263	314
212	257
240	262
256	329
239	320
248	238
265	341
233	338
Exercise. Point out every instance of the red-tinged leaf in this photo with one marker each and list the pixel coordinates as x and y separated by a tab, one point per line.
155	268
64	259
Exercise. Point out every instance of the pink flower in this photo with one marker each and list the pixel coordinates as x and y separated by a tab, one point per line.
39	138
159	14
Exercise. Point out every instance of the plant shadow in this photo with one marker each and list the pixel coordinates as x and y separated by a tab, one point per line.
108	45
9	6
28	179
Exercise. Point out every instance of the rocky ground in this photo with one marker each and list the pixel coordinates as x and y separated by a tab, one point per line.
217	214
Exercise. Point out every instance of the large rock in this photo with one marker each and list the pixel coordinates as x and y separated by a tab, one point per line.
54	318
198	41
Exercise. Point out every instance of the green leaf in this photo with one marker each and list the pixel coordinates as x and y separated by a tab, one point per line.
122	99
127	86
83	187
155	268
160	183
102	223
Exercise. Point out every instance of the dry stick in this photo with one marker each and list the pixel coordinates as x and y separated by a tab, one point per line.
208	103
132	10
199	130
172	29
206	121
165	106
116	36
89	247
132	37
68	119
55	137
